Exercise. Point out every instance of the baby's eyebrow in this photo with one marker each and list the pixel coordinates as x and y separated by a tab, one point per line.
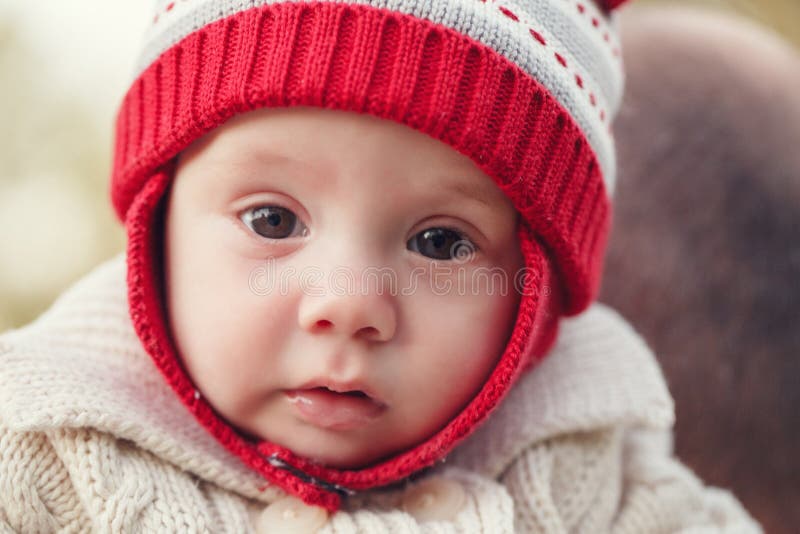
473	191
271	156
266	157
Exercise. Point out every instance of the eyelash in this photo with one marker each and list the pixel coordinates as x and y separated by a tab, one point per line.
462	235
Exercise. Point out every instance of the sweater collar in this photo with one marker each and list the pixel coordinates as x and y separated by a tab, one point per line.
81	364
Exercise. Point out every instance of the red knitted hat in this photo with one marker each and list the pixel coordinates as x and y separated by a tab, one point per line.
525	89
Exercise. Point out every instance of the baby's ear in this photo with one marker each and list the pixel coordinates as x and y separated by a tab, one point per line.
610	5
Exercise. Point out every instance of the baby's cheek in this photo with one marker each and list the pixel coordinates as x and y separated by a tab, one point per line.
466	356
499	311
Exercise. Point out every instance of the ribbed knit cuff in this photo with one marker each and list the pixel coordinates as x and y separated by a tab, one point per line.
394	66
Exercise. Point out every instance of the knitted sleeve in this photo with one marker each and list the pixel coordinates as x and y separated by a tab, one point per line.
567	484
126	488
663	495
81	480
35	491
616	480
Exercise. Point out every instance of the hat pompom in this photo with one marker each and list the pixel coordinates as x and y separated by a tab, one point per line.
610	5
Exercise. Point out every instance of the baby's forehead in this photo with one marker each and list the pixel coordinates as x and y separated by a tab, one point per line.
307	133
307	147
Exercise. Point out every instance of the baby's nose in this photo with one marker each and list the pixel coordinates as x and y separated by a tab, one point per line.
369	316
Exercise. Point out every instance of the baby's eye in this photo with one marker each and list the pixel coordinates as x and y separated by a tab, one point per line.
440	243
273	222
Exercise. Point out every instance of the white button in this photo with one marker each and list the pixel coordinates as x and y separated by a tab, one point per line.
290	515
434	499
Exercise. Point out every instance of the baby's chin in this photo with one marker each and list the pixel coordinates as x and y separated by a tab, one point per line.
331	448
339	449
342	459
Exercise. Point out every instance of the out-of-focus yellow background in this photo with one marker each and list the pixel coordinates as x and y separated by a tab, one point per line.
64	66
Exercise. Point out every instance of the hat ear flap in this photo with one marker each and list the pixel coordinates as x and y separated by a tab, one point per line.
610	5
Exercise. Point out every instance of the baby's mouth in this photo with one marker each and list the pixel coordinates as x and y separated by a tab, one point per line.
357	393
335	410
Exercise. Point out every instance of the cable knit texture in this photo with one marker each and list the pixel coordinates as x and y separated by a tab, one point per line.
93	440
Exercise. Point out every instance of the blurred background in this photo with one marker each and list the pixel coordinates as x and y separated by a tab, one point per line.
64	67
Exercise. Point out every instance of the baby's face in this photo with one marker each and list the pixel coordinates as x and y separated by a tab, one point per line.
312	252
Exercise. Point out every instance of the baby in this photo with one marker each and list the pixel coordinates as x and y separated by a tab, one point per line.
356	233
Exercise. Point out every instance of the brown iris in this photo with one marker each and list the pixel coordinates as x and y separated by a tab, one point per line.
436	243
273	222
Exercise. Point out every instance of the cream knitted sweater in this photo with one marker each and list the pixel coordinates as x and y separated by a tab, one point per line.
92	439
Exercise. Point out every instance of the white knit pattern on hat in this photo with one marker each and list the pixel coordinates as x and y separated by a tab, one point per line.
579	63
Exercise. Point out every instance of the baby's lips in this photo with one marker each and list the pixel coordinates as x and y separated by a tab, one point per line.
352	387
333	410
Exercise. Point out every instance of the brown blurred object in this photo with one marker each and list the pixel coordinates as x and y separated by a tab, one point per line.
781	15
705	251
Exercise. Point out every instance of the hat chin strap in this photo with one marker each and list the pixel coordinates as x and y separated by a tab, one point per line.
312	482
